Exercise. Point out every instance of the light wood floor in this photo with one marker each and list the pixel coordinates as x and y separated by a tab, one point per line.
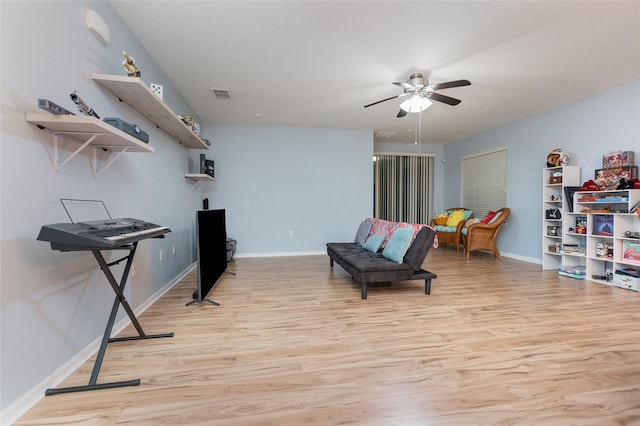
293	343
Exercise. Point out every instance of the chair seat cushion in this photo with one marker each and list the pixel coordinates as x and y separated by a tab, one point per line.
440	228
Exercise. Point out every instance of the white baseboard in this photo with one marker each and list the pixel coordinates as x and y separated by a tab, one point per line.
317	253
281	254
31	398
523	258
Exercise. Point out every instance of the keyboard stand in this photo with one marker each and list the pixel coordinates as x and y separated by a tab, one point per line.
119	300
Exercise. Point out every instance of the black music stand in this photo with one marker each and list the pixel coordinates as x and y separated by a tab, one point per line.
120	299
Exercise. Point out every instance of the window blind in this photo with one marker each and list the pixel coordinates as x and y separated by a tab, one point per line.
484	182
403	187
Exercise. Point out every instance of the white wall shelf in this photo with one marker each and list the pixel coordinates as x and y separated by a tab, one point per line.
135	93
88	131
198	178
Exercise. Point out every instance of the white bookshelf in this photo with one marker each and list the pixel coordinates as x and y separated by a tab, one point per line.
610	210
553	197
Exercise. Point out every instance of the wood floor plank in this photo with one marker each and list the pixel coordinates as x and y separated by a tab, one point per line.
293	343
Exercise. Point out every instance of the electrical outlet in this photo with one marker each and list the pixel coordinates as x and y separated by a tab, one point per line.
291	233
161	255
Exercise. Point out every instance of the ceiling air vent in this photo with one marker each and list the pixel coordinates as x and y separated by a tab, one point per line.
384	135
220	93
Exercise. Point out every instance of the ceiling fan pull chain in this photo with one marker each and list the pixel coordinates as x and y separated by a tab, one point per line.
420	132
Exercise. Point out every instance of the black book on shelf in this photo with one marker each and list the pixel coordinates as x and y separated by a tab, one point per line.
569	191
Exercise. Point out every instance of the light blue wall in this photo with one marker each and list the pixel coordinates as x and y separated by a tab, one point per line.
314	182
317	183
53	304
586	129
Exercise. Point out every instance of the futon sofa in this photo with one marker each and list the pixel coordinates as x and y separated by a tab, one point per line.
396	254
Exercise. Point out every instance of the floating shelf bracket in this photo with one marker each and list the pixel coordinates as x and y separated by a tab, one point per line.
57	166
117	155
198	179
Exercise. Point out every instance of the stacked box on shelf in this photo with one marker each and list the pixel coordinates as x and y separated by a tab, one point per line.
616	165
618	159
604	250
579	272
574	249
627	278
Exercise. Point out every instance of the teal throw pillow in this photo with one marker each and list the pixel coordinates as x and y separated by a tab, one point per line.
398	244
374	242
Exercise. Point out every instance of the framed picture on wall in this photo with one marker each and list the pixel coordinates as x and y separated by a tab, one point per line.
609	178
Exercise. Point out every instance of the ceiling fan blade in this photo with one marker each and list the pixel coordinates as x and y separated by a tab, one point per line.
383	100
405	85
450	84
444	99
401	113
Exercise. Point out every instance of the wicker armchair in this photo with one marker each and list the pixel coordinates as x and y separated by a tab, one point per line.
448	237
480	236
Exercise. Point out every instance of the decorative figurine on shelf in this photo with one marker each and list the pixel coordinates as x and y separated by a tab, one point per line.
557	157
625	183
130	65
82	106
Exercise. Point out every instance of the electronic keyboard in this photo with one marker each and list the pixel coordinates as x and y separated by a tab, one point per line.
99	234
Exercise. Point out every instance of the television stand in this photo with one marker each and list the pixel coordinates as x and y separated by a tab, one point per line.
195	300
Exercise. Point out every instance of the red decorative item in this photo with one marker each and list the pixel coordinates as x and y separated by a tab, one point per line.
488	217
589	185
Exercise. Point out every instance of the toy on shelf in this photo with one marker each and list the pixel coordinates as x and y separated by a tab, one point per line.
558	157
130	65
82	106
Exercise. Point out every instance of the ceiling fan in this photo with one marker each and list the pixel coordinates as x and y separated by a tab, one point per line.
422	94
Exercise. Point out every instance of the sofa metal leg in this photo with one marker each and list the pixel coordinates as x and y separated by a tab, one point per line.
364	290
427	286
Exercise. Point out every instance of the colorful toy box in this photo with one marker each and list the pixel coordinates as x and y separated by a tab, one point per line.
631	251
617	159
628	278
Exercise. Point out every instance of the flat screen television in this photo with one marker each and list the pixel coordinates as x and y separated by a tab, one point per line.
211	242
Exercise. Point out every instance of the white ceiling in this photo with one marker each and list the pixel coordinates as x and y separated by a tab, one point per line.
317	63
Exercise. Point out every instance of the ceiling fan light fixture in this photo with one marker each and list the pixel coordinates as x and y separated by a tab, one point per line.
415	104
